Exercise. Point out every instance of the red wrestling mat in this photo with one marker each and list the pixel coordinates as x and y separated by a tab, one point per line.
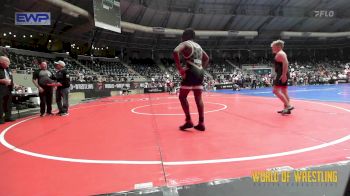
117	143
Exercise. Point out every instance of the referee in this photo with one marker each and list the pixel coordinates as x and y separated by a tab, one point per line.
62	92
6	86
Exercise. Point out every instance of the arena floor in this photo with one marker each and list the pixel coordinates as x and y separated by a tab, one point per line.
128	142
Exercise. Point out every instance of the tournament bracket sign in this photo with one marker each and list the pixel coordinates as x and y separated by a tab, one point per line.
91	90
154	90
118	86
224	86
81	87
100	86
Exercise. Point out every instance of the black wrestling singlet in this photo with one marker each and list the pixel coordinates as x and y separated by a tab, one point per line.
279	71
194	72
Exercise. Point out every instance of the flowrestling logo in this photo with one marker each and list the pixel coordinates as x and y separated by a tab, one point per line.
33	18
324	13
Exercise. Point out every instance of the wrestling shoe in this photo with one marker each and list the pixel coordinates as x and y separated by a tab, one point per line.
290	108
200	127
187	125
285	111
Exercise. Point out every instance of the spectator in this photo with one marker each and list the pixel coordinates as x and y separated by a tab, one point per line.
41	79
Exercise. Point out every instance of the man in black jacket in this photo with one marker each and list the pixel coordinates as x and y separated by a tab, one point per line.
6	86
62	92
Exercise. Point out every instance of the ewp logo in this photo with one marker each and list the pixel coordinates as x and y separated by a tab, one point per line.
33	18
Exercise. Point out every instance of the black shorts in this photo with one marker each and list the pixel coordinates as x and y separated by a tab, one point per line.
194	77
278	82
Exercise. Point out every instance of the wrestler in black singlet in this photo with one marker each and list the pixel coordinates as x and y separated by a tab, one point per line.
194	71
279	71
